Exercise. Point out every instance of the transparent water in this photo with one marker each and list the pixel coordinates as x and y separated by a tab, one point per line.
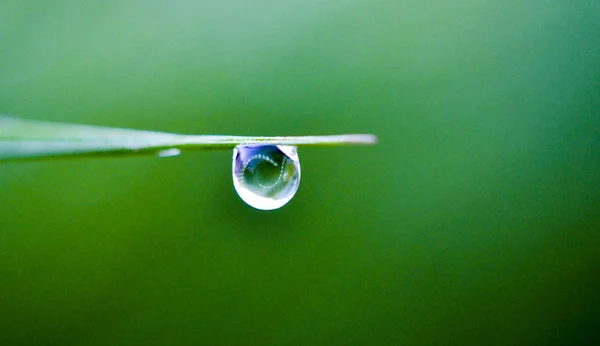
266	177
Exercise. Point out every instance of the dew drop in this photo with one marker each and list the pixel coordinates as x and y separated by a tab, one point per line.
266	177
169	152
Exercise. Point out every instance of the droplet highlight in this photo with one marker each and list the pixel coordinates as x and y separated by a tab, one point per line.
266	177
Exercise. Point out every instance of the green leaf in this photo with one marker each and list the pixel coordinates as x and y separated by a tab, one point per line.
29	139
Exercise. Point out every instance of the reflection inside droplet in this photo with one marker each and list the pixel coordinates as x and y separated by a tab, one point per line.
266	176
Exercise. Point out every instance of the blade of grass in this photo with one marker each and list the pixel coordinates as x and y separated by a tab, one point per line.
29	139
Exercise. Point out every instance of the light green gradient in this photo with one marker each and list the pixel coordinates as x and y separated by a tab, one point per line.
474	221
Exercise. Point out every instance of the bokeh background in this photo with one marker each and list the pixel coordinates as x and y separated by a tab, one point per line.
475	220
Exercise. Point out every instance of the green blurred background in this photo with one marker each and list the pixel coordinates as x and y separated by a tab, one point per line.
475	220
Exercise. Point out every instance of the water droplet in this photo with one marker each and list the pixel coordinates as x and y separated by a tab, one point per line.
169	152
266	176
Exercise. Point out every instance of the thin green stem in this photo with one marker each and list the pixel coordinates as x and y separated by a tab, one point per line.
28	139
228	142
